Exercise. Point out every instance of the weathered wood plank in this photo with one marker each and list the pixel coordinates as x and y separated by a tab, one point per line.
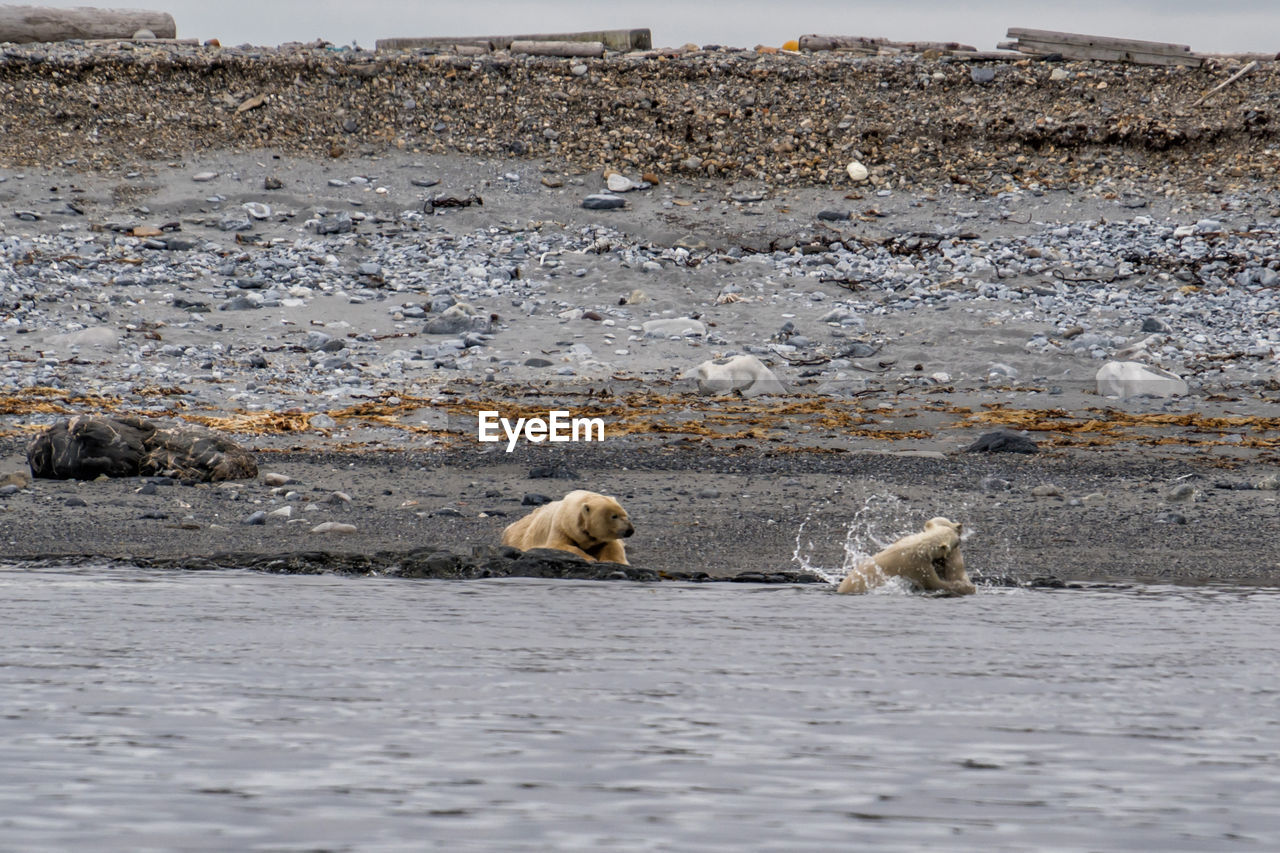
22	24
637	39
558	48
1076	51
1105	42
820	42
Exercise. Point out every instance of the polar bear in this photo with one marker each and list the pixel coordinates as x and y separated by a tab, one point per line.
930	559
582	522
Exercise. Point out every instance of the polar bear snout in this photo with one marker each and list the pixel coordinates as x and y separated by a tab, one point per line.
629	531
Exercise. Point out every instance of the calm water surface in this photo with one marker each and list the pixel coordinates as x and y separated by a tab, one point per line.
145	710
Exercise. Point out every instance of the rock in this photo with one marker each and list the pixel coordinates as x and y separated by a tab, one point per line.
1181	493
995	484
1155	324
284	512
833	215
857	172
9	490
536	362
982	74
322	421
619	183
19	479
691	164
1269	483
603	201
1058	74
671	327
1131	379
275	480
235	222
257	210
1002	441
272	183
1046	490
256	518
534	499
709	494
94	337
204	177
744	374
75	501
1171	516
459	317
553	472
334	527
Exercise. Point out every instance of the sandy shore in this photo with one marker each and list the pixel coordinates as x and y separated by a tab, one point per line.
156	288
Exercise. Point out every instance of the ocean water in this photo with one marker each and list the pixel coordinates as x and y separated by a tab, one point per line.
144	710
1243	25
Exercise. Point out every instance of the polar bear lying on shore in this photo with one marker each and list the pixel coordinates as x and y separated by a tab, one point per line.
930	559
582	522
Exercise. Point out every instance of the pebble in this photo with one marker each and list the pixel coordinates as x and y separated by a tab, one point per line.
1181	493
1046	490
982	74
204	177
256	518
75	501
603	201
534	499
334	527
274	479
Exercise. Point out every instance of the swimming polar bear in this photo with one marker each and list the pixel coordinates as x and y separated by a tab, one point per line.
918	558
583	523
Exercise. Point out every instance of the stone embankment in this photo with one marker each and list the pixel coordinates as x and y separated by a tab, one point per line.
914	120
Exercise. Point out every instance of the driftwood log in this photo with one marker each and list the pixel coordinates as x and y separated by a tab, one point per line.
22	24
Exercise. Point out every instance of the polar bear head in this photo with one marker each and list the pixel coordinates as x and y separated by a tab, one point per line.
600	518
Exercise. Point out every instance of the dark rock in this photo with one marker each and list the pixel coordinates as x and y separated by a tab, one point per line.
833	215
553	472
1155	324
9	490
240	303
603	201
534	499
272	183
537	362
982	74
148	489
256	518
1002	441
154	515
74	501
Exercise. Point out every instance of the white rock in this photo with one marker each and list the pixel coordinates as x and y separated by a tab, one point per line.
203	177
745	374
282	512
257	209
666	327
619	183
274	479
857	172
94	337
1059	73
1129	379
333	527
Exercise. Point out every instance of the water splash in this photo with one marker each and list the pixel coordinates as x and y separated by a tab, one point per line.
861	539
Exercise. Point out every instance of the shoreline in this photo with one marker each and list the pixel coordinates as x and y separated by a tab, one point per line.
345	317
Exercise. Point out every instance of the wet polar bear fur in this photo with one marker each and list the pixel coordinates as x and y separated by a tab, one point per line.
583	523
930	559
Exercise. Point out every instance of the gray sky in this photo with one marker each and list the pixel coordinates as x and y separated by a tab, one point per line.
1244	25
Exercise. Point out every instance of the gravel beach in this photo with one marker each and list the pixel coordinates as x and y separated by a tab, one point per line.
341	258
